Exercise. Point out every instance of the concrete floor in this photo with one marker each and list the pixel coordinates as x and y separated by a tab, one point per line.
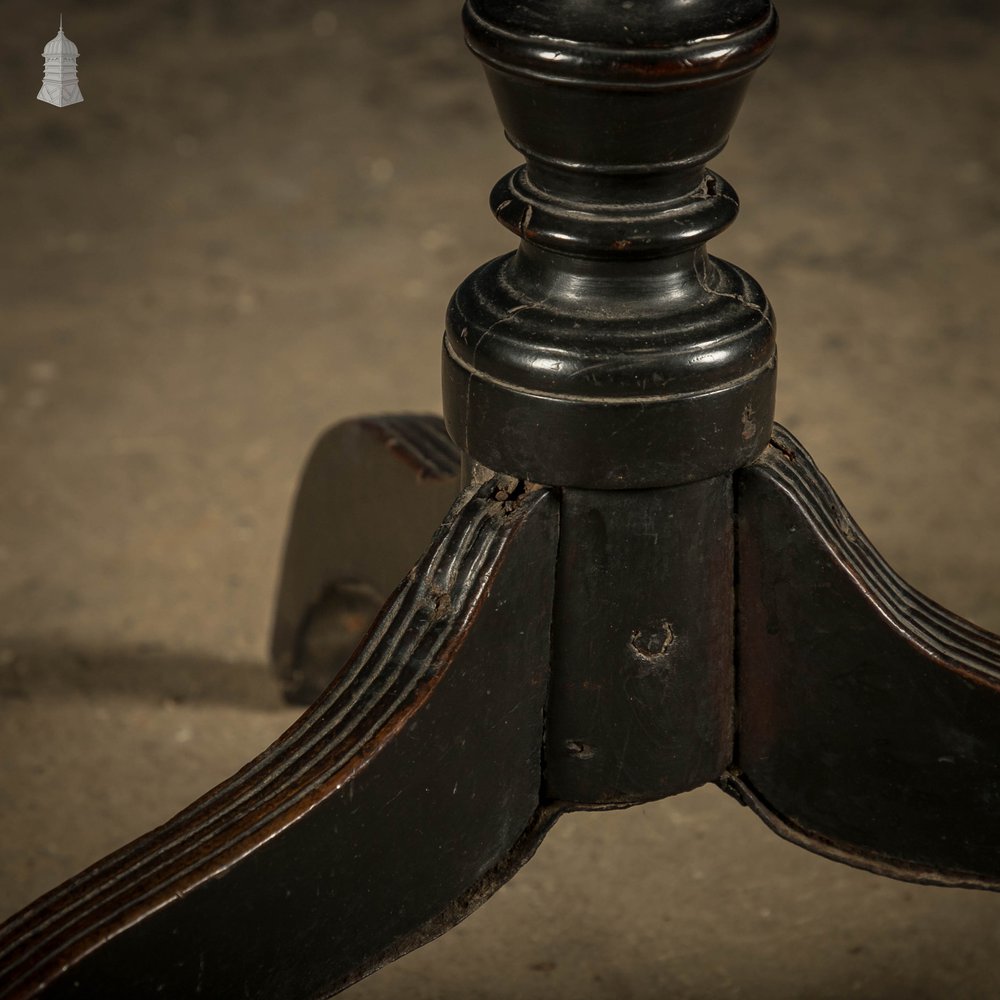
249	230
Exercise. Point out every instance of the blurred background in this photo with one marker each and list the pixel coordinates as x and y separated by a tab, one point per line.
249	230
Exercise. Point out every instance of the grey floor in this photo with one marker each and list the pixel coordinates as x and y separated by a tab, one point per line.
249	230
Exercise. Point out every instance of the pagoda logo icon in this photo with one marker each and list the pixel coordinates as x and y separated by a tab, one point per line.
59	85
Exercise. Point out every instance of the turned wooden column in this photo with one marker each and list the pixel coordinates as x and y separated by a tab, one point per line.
611	355
610	351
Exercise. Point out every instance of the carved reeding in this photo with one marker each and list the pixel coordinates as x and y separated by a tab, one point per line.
956	644
864	707
420	440
393	671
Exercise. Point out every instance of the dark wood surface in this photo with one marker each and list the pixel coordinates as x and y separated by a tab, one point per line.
869	716
642	696
372	494
408	792
610	351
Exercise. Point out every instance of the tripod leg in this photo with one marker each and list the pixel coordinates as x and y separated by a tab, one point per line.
868	716
370	497
402	798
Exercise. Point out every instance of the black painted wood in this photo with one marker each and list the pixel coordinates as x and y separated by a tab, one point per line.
371	495
869	716
398	802
641	701
612	357
646	361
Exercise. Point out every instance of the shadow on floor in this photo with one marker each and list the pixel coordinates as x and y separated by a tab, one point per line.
30	669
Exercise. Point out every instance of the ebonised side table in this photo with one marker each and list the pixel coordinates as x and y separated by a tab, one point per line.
644	584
